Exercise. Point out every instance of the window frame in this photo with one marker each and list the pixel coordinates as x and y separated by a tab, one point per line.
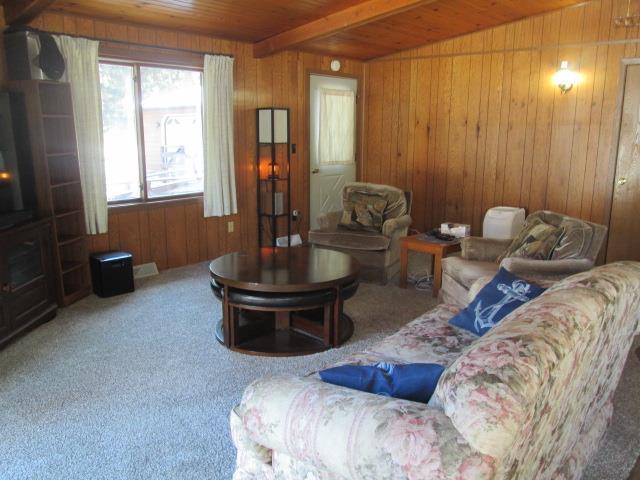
139	119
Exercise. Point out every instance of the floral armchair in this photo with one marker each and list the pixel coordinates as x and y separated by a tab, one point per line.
530	399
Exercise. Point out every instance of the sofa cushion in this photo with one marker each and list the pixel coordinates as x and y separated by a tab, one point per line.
536	240
497	299
465	272
351	239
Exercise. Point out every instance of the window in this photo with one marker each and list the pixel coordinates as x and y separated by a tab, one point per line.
152	125
337	127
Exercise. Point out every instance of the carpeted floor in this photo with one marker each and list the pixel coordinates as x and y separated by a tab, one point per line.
136	387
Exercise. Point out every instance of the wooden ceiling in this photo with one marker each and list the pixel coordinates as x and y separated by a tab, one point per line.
361	29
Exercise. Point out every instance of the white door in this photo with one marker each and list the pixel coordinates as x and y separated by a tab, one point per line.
332	141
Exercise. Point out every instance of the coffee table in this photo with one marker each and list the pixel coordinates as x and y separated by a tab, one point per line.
284	301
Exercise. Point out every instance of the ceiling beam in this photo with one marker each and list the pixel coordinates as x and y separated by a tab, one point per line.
21	12
354	16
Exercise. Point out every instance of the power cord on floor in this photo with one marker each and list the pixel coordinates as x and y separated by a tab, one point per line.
421	281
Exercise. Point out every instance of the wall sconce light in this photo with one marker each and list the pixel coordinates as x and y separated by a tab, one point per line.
564	78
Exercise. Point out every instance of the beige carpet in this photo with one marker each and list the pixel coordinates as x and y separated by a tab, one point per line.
136	387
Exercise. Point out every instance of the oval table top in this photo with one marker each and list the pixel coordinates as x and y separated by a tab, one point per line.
293	269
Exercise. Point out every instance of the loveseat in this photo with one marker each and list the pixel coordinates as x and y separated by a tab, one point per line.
576	250
369	228
529	400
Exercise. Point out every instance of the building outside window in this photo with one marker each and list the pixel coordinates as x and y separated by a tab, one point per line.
152	125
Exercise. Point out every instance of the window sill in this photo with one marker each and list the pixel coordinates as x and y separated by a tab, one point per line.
152	204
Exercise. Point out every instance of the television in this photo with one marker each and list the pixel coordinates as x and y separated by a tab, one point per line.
17	183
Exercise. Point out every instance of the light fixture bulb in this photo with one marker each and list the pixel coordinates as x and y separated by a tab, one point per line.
564	78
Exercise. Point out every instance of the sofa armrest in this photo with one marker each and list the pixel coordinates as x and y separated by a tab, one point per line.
483	249
391	226
546	268
346	432
329	220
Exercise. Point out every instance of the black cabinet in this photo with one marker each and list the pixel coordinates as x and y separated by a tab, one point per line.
27	289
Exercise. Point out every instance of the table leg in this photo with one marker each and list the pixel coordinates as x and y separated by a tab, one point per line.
404	260
326	325
337	310
226	320
437	273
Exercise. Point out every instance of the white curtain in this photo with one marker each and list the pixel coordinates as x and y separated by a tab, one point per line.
82	72
219	165
336	144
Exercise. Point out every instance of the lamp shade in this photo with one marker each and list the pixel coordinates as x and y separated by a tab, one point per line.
273	125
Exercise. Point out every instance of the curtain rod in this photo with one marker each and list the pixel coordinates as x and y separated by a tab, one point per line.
123	42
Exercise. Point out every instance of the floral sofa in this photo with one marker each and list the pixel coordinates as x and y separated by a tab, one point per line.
528	400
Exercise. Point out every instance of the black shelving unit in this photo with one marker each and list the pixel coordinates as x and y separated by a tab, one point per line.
273	157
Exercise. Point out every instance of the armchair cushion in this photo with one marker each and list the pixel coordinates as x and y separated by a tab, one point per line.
575	240
536	240
363	210
368	205
351	239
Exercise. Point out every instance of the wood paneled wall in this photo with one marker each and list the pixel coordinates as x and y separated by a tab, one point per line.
174	235
476	122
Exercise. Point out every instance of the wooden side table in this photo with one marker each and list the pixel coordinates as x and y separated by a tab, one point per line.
418	243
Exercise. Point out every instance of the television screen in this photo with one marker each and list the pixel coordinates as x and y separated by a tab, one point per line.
17	189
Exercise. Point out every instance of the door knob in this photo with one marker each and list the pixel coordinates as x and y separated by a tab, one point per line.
315	170
622	181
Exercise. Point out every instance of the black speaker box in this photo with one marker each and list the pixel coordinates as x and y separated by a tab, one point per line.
111	273
27	55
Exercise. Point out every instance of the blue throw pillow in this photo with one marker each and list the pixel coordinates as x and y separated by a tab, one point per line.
496	300
413	381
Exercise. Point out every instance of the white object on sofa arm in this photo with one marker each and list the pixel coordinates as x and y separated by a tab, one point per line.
343	431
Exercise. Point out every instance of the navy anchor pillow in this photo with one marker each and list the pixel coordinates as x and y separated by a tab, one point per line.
496	300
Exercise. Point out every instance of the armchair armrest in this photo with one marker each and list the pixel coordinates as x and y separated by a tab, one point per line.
483	249
389	227
329	220
349	433
546	268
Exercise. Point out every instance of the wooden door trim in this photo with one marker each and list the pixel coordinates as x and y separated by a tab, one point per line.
360	113
624	65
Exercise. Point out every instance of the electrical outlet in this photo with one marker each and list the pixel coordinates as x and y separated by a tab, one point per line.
231	226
